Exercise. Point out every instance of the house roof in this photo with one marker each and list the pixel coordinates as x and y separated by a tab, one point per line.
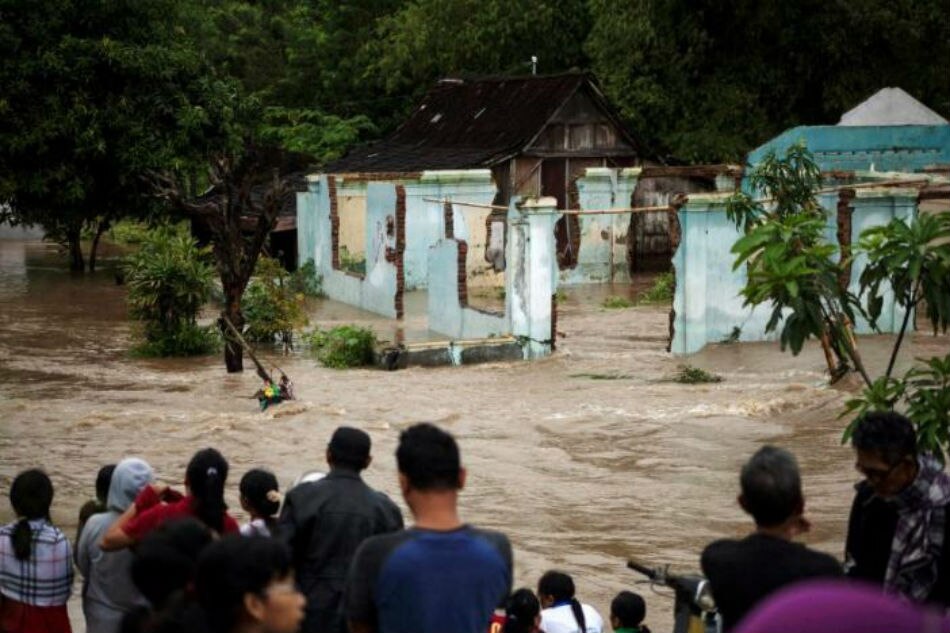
891	106
475	122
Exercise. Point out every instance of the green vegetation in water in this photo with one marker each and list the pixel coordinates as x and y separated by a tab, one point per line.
343	346
560	295
169	278
595	376
689	375
272	310
660	292
306	280
128	232
614	302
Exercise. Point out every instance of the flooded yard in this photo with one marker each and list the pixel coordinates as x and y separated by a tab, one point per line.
583	459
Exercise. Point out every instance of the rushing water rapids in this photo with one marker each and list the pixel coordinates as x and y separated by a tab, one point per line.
584	458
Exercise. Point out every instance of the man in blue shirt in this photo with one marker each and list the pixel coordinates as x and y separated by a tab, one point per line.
441	575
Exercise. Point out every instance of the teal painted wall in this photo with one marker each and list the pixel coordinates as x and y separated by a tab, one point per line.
707	302
883	148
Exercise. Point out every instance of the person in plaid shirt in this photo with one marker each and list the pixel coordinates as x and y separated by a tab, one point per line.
36	564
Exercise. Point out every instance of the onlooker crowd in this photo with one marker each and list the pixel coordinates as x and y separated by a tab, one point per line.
332	555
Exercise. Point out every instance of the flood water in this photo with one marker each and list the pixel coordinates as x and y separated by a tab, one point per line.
583	459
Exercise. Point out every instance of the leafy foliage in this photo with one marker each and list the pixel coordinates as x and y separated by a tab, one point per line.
706	81
789	262
168	280
614	302
306	280
343	346
689	375
272	309
660	292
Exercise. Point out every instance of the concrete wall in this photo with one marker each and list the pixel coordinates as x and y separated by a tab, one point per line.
448	309
602	256
424	221
707	303
377	290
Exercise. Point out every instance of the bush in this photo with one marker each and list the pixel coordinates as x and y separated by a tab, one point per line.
343	346
660	292
306	281
271	308
169	279
189	340
689	375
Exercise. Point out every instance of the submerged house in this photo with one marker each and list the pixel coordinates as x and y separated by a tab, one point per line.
537	134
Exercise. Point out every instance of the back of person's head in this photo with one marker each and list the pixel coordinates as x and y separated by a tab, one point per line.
429	458
771	486
128	478
627	609
521	611
259	490
206	473
349	448
559	587
233	567
103	480
31	496
887	433
165	561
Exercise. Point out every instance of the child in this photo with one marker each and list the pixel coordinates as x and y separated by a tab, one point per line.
627	611
36	570
562	612
97	505
522	613
259	498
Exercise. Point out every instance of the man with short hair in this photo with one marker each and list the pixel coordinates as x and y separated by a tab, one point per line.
743	572
898	528
441	575
323	522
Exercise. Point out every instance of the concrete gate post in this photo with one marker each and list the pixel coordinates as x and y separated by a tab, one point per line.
531	279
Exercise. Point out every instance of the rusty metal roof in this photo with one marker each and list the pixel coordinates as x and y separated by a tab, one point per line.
475	122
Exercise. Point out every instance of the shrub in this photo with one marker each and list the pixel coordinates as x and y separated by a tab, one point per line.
306	281
689	375
615	303
660	292
271	308
168	280
343	346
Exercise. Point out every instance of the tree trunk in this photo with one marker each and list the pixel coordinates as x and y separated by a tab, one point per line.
101	228
233	352
76	261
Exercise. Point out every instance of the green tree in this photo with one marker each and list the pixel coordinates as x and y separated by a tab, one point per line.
271	306
169	279
791	267
95	96
706	81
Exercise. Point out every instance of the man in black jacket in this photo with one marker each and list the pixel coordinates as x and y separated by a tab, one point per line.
898	531
323	522
741	573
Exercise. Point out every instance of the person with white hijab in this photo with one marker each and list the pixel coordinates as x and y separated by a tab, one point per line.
108	591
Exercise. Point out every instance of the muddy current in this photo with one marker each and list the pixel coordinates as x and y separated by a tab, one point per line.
584	459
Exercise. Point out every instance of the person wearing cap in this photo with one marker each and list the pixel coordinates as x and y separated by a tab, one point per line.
323	522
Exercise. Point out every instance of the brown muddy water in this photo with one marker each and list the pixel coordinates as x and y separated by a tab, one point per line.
583	459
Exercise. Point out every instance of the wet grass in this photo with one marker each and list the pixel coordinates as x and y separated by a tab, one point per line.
660	292
614	302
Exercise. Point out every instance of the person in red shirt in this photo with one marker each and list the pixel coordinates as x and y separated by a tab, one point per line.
155	505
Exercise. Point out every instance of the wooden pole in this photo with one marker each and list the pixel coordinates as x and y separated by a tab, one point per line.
240	339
